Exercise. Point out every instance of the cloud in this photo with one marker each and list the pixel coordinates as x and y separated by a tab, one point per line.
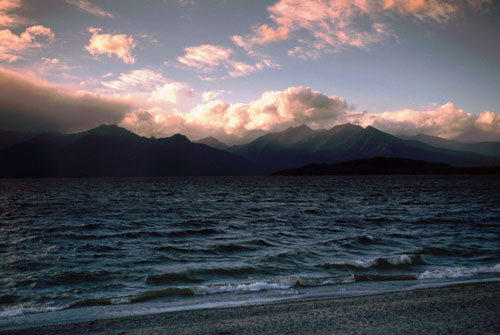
12	45
435	10
145	89
447	121
211	95
7	17
207	58
90	8
142	79
262	34
119	45
50	60
275	110
168	93
481	6
186	2
29	105
328	26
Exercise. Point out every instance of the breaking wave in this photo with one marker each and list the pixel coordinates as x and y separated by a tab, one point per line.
398	261
458	272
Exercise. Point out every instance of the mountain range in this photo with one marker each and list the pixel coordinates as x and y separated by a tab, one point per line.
109	150
114	152
301	145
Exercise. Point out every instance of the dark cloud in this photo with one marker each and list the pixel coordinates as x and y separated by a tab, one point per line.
27	105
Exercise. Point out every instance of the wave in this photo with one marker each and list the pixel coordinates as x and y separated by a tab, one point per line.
436	251
458	272
173	248
171	278
8	298
233	247
96	248
203	232
27	310
398	261
242	246
196	275
68	277
194	223
364	278
285	283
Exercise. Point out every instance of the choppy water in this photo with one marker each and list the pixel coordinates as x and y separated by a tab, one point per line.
69	244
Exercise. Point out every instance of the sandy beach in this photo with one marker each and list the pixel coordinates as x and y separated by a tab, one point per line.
458	309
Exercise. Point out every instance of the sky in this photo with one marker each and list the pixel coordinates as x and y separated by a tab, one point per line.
237	69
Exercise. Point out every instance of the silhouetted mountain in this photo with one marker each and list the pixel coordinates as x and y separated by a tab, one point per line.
213	142
275	150
114	151
9	138
483	148
299	146
385	166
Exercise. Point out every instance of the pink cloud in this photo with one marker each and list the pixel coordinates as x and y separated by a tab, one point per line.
277	110
205	57
146	88
211	95
327	26
90	8
7	17
436	10
168	93
119	45
240	69
274	110
261	34
447	121
50	60
134	80
12	46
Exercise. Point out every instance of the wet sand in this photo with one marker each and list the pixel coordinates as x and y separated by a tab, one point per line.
458	309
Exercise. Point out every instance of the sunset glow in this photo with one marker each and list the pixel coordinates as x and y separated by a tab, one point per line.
236	69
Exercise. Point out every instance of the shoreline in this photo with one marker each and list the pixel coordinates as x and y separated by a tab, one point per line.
462	308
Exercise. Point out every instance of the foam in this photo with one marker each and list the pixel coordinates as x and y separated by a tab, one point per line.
398	260
457	272
251	287
26	311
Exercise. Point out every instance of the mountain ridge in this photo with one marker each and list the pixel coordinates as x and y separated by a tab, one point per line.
347	142
385	166
112	151
109	150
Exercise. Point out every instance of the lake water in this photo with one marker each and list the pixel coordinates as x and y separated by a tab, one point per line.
78	249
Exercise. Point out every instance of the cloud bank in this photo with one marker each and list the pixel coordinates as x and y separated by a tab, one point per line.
240	123
30	106
447	121
147	103
236	123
